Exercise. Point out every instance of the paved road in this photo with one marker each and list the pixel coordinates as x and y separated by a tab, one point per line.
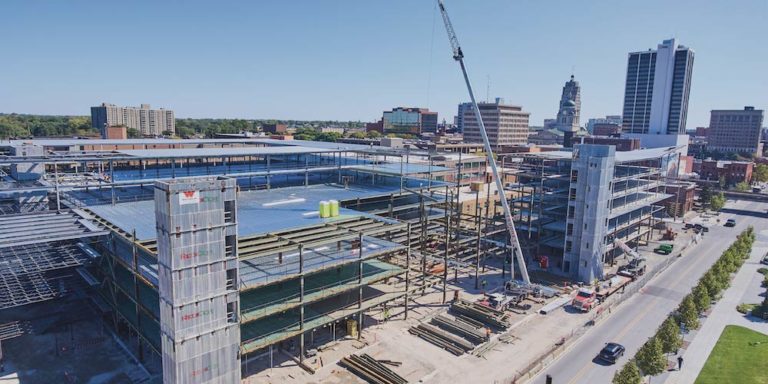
634	321
745	288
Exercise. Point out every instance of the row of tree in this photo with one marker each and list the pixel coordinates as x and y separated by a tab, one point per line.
651	358
20	125
15	125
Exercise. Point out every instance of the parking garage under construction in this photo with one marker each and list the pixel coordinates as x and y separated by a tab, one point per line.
205	256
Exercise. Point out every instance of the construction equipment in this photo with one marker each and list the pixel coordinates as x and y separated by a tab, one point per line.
624	247
372	370
458	55
669	234
635	267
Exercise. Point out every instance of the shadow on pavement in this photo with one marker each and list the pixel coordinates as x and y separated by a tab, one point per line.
743	212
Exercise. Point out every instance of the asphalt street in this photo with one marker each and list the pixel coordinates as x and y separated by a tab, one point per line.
635	320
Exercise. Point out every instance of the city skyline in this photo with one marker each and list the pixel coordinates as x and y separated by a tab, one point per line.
342	67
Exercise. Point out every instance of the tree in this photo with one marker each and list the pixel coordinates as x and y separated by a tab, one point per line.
705	195
669	336
711	283
717	202
629	374
701	298
689	316
133	133
357	135
373	134
650	358
742	186
760	173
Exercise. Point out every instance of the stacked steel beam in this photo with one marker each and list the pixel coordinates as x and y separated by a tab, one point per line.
472	332
489	316
443	339
371	370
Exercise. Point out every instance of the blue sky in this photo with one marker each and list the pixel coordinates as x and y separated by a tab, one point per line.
351	59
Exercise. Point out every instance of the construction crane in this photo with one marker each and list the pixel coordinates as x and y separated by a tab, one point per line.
458	55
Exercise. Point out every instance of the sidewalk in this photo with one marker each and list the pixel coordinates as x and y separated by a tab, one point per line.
723	313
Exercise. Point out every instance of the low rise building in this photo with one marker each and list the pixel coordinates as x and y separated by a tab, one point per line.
274	128
605	129
621	144
730	172
681	201
116	133
414	121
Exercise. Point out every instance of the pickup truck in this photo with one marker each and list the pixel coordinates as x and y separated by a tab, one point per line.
636	267
664	249
585	300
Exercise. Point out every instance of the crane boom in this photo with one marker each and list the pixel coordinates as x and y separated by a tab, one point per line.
458	55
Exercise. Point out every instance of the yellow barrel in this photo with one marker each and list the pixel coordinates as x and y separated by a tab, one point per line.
334	208
325	209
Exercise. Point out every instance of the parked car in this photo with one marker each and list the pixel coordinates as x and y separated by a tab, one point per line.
700	228
611	352
730	223
664	249
765	259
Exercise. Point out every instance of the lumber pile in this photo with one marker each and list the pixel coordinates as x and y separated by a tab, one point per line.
372	370
486	315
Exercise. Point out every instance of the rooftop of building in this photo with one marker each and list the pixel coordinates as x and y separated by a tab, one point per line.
240	141
621	157
258	211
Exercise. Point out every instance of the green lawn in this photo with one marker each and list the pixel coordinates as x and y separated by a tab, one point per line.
739	356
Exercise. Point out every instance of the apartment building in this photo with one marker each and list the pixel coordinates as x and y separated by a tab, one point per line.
148	121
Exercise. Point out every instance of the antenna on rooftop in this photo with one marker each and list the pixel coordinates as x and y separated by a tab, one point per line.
488	89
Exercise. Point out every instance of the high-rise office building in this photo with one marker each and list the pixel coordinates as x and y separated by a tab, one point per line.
413	121
570	107
149	122
463	107
736	131
657	88
504	124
